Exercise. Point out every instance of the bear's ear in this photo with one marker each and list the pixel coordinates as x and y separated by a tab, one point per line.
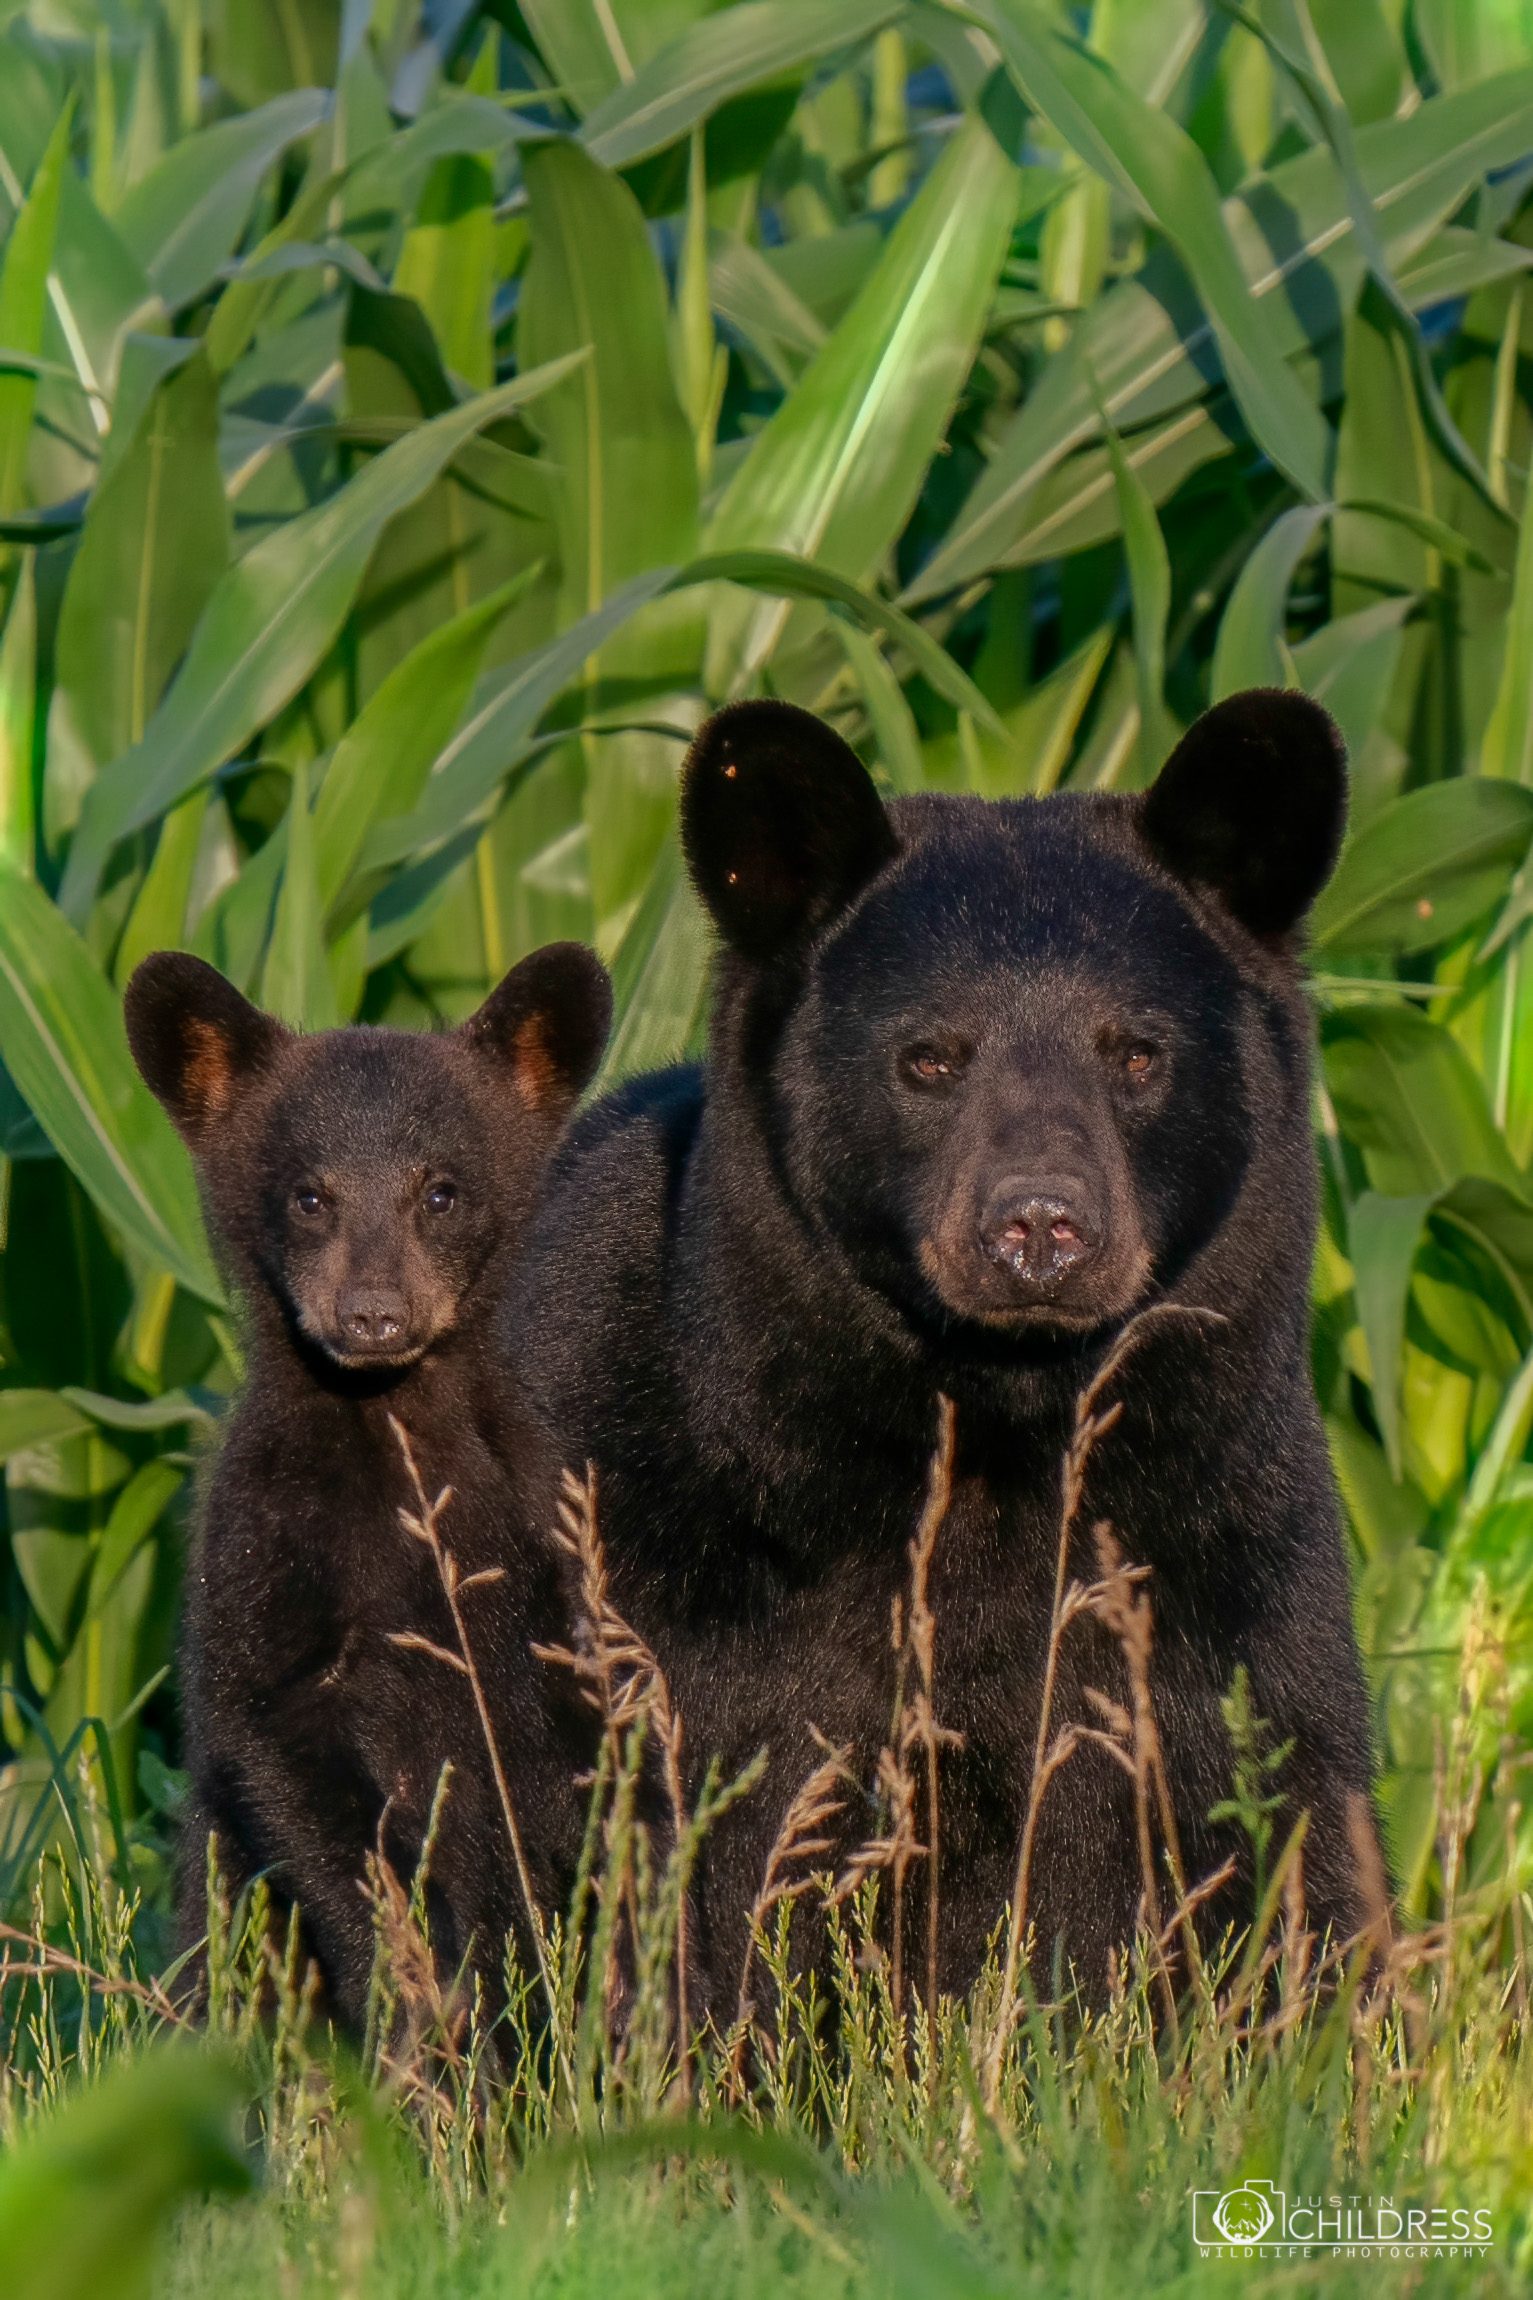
1252	804
196	1041
546	1024
780	823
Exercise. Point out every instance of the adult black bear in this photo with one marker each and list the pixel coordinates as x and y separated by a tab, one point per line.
985	1080
367	1189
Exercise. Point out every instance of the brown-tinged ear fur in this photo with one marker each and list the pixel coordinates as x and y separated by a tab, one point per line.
547	1023
196	1041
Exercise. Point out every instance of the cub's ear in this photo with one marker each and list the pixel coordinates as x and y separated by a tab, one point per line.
197	1042
1252	804
546	1024
780	823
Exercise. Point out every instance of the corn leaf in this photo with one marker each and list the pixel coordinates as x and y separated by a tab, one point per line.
833	475
61	1039
269	620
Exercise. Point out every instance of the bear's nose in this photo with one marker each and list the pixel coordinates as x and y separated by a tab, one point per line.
1040	1231
372	1317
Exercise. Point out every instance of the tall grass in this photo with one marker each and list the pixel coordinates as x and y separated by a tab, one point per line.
898	2133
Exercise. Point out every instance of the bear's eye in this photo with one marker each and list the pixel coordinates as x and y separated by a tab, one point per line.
1139	1061
308	1200
440	1198
933	1064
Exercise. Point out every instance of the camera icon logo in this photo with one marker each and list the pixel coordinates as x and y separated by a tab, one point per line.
1244	2216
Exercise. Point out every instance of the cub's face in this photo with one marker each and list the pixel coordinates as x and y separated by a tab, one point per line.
378	1188
364	1178
1007	1053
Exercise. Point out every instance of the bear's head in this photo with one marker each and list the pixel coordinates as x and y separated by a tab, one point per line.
1011	1057
364	1178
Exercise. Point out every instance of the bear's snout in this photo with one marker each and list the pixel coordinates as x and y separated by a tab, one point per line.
373	1318
1041	1231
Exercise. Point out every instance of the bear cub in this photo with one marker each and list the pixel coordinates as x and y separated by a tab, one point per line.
366	1189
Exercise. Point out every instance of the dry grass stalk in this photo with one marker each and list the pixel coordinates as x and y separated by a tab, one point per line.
1193	1900
919	1728
910	1766
1092	1423
802	1836
423	2060
424	1524
42	1961
1121	1602
893	1852
622	1679
1297	1949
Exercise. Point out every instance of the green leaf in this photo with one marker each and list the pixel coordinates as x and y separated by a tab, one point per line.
173	1409
1507	747
1425	867
582	41
495	738
1146	344
895	733
716	59
296	983
614	425
61	1038
268	623
628	499
1290	37
1252	647
1349	664
36	1417
834	474
18	705
184	219
1155	164
156	540
659	975
155	2135
1149	575
779	574
1384	1235
157	920
380	765
1406	1093
28	259
135	1513
447	263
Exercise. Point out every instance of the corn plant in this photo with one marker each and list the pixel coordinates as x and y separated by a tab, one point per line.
412	421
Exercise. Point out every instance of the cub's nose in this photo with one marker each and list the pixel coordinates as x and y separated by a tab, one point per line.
1042	1232
372	1317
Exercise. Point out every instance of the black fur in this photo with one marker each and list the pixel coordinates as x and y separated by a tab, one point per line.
985	1080
367	1189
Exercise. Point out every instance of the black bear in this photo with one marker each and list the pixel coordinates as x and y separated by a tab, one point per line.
367	1189
986	1080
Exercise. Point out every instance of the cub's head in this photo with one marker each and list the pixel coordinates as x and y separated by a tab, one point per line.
1015	1057
365	1178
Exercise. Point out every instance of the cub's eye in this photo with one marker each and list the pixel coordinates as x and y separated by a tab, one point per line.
1139	1061
309	1201
440	1198
933	1064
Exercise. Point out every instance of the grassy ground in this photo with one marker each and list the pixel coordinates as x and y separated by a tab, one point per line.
874	2155
847	2131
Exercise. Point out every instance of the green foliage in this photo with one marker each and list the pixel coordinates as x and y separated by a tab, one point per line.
411	422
